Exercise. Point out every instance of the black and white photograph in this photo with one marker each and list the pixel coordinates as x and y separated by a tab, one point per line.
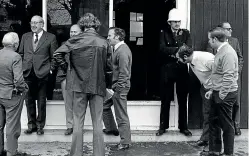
124	78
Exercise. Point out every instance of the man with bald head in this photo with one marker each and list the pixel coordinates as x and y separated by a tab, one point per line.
12	91
61	77
37	48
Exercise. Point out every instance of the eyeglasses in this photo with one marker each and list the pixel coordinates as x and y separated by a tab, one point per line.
228	29
34	23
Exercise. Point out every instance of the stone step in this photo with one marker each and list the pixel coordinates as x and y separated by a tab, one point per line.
137	136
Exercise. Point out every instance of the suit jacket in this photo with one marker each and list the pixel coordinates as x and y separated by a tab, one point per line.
41	59
11	73
234	42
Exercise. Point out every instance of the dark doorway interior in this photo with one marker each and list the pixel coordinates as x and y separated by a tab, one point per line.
143	23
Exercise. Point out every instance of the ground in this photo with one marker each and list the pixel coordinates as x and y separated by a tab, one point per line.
137	149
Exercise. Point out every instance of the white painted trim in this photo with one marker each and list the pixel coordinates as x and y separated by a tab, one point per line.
184	6
44	13
110	13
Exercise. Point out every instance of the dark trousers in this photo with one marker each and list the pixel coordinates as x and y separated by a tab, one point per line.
80	102
236	107
206	104
171	74
220	118
10	115
37	91
119	100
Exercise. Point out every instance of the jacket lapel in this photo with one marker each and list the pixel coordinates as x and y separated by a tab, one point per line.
30	40
41	41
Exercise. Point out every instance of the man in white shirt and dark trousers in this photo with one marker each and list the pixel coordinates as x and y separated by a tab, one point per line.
201	64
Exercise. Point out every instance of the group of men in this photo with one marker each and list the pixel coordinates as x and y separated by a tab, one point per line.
218	70
88	66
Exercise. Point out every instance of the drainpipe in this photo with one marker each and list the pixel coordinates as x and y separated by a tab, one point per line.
44	13
110	13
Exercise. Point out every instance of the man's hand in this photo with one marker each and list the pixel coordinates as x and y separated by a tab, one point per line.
208	94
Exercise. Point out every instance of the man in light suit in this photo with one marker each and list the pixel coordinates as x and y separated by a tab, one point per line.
37	48
223	94
234	42
122	61
12	91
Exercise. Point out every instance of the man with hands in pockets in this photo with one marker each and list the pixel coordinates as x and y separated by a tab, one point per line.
223	94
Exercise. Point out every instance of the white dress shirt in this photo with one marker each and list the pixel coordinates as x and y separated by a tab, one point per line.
39	35
201	65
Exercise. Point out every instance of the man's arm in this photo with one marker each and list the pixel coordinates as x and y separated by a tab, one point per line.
123	61
228	77
240	56
189	40
21	47
59	56
19	82
53	47
108	70
164	49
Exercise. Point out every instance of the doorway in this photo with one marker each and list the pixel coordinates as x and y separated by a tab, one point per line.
142	23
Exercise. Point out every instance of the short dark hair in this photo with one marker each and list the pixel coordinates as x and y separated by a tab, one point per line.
185	50
222	23
218	33
118	32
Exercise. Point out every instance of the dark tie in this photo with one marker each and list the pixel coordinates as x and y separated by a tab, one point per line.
175	33
36	38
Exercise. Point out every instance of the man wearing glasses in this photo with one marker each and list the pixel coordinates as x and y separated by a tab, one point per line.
37	48
234	42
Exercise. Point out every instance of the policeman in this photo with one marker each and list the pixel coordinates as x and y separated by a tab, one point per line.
173	72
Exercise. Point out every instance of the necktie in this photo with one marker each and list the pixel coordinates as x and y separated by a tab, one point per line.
36	38
175	33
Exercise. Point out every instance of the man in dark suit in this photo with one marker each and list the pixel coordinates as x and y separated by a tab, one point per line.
12	91
37	48
173	72
122	61
88	75
234	42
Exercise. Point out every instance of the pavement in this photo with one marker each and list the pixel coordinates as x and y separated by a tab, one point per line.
137	149
145	143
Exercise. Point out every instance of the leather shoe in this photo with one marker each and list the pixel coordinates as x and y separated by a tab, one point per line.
30	130
113	132
40	131
21	154
123	146
201	143
186	132
160	132
237	131
3	153
226	154
207	153
69	131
